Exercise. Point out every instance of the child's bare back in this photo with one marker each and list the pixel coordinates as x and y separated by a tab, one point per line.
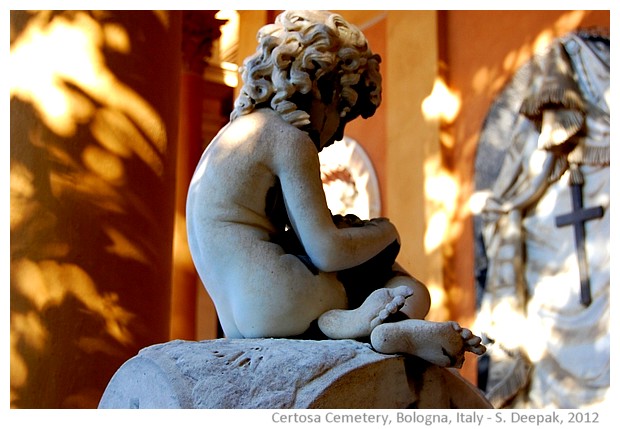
258	288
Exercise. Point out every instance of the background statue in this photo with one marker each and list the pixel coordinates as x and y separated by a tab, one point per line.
274	260
545	229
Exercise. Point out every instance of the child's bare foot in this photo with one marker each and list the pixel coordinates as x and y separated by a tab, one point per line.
441	343
360	322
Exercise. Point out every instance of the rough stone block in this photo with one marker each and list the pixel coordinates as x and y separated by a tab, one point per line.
282	373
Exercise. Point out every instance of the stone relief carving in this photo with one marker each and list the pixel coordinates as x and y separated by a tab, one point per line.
545	258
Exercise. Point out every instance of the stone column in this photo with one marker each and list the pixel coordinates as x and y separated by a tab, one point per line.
413	150
200	30
94	119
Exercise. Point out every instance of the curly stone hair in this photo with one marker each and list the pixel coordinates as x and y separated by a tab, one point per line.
305	55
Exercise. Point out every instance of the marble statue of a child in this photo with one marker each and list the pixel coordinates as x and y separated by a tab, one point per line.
261	235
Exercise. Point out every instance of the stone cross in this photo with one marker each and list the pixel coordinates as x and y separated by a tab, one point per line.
578	218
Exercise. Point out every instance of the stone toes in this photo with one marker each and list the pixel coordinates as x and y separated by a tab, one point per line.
456	326
397	304
478	350
402	291
473	341
392	307
466	334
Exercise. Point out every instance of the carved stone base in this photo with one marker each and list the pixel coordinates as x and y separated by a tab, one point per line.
283	373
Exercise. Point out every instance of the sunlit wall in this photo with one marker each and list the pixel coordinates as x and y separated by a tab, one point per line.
94	99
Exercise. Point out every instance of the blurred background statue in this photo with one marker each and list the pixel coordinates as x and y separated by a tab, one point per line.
543	261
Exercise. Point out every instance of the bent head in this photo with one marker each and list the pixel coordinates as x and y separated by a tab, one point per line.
308	56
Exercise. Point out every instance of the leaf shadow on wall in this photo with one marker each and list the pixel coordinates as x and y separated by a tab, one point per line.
92	191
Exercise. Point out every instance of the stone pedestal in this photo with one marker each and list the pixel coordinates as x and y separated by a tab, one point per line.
283	373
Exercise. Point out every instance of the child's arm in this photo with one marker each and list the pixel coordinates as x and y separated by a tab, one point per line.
329	248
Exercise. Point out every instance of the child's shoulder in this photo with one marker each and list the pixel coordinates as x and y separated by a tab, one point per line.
268	125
